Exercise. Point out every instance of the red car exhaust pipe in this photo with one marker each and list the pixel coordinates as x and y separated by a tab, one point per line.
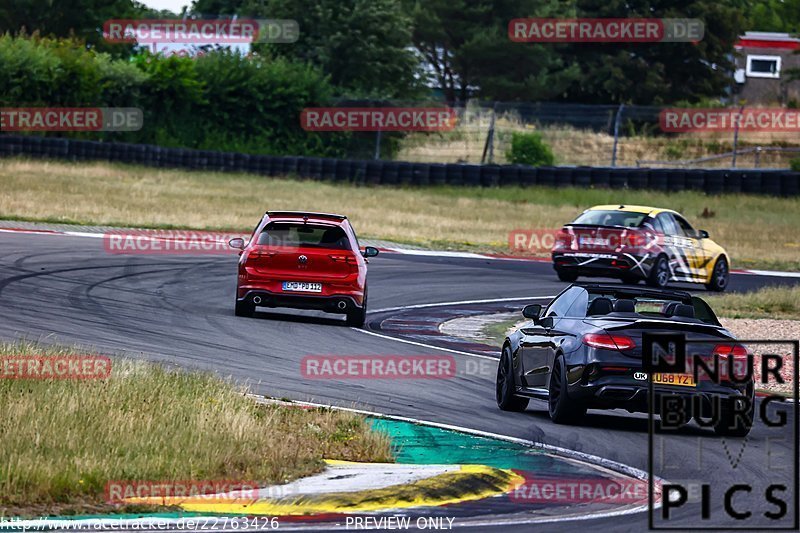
256	300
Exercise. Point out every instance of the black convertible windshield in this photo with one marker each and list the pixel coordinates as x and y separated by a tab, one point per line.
605	301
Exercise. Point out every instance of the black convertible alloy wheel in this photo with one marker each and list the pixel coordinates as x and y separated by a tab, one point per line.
504	386
561	408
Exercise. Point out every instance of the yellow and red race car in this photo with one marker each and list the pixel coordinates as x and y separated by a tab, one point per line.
634	242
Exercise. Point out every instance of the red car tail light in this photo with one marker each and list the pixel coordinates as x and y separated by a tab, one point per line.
344	258
563	239
255	253
608	342
636	238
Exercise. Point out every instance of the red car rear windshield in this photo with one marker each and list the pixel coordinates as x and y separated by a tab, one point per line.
598	217
304	236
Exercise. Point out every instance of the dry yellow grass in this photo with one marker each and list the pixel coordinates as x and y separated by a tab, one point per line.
62	441
758	231
572	146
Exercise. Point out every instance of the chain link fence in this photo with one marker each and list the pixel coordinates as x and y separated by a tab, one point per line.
595	135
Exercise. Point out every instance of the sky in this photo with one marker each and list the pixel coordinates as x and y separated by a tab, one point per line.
173	5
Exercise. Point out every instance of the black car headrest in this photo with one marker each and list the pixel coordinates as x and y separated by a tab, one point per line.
683	310
669	308
624	306
599	306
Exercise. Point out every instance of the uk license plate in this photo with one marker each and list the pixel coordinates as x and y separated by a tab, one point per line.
302	286
682	380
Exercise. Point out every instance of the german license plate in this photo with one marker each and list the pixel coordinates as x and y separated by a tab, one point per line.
302	286
683	380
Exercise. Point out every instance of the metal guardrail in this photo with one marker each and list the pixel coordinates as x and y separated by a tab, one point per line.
757	150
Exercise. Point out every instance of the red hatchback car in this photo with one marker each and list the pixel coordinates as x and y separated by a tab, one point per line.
303	261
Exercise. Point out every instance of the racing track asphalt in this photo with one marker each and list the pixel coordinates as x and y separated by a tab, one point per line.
179	310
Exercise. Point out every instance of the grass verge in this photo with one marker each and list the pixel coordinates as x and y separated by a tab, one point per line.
758	231
780	302
62	441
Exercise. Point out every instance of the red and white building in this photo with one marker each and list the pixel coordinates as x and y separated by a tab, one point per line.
763	64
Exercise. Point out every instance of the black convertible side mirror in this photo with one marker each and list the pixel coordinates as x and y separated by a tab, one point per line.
532	311
703	234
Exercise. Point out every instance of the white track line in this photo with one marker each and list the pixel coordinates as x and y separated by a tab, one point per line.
444	304
423	345
462	302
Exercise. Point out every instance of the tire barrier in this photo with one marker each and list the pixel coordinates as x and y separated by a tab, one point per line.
405	173
454	174
582	177
696	180
564	176
472	175
718	181
509	175
638	178
528	175
619	178
438	174
676	180
421	174
546	176
391	173
362	172
600	177
344	170
489	175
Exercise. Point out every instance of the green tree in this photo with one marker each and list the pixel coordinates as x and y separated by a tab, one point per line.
364	46
657	73
82	19
465	43
772	15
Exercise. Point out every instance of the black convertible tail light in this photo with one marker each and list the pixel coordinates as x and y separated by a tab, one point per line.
609	342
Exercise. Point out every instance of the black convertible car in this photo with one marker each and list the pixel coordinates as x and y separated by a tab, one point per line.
584	350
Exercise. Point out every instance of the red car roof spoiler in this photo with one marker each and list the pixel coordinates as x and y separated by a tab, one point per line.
304	214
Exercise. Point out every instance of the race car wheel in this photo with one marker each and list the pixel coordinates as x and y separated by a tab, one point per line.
731	423
565	275
357	316
659	275
504	386
562	408
244	308
719	276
